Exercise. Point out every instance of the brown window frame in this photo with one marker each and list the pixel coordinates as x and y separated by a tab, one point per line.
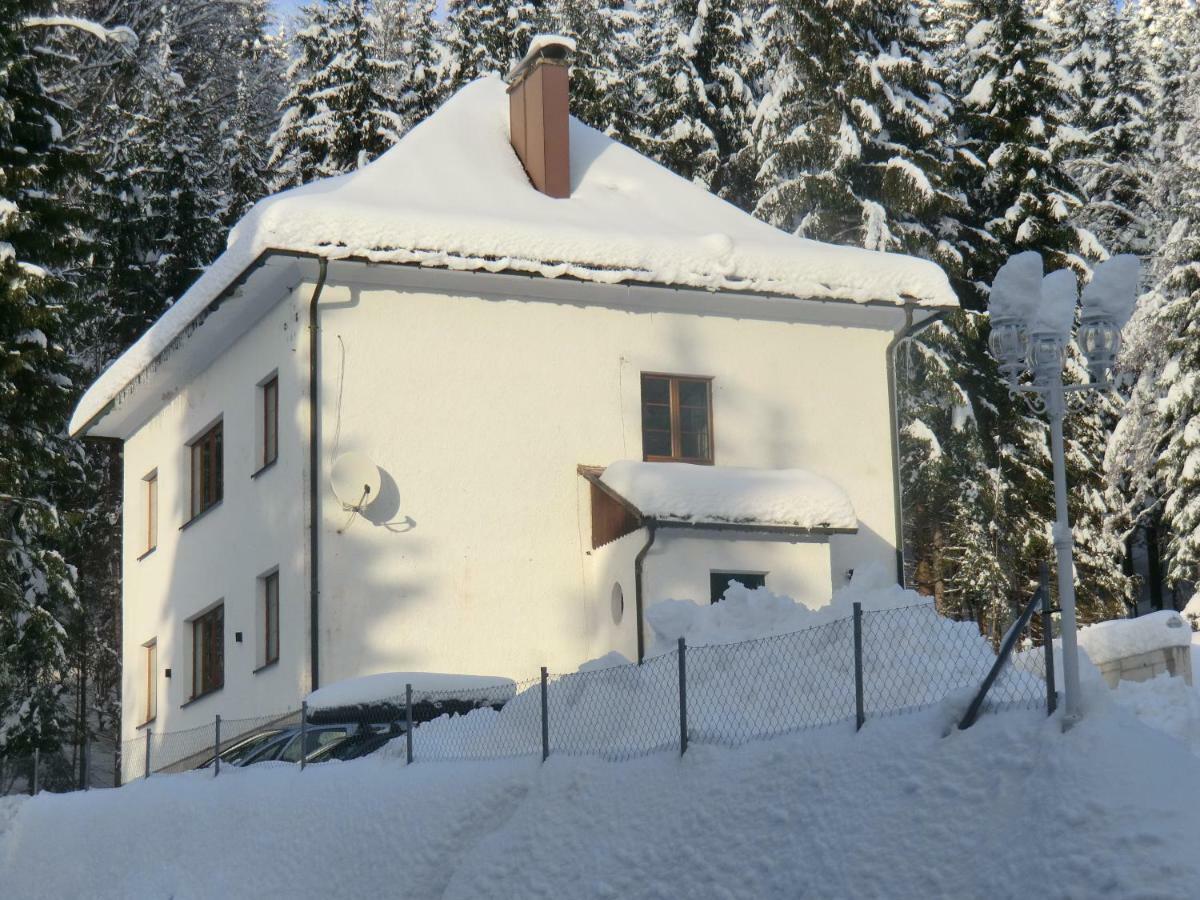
675	420
271	619
151	649
151	482
208	652
270	421
208	449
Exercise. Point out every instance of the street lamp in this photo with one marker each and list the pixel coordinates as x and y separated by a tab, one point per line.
1032	318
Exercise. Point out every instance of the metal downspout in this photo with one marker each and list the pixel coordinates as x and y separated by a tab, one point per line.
314	487
651	530
907	331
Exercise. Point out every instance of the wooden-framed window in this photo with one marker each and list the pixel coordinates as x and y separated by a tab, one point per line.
151	489
270	421
271	618
208	470
677	418
151	649
208	652
718	583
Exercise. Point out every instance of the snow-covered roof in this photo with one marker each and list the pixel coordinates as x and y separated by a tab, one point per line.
453	194
725	495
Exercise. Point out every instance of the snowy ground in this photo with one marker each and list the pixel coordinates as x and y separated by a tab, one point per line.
908	807
1011	808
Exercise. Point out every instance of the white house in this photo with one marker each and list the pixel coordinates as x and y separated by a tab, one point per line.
582	383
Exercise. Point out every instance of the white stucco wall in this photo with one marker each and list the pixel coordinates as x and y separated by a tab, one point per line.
477	407
259	525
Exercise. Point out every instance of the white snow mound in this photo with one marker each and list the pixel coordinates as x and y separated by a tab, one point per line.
1106	641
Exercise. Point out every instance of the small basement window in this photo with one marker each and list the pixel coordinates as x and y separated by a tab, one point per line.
677	419
718	582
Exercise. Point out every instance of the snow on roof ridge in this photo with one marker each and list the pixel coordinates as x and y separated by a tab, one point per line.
453	194
682	492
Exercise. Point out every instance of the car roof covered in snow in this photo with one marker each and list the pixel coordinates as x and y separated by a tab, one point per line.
452	194
727	495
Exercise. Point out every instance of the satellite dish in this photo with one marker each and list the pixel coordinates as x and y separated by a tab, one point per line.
355	480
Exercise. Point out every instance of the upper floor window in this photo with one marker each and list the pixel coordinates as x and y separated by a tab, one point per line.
207	470
269	394
151	489
208	651
677	419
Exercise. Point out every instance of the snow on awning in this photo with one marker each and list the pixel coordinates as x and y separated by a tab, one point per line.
680	493
452	194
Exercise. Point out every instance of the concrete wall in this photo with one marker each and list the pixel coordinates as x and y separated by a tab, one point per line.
477	404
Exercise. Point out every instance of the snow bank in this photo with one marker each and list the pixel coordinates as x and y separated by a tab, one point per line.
792	669
390	686
1106	641
452	194
729	495
893	811
747	614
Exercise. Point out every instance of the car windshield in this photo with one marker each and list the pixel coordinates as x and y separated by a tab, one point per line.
241	751
315	739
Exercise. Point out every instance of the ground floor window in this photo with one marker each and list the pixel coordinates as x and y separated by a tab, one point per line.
271	618
151	681
208	652
718	582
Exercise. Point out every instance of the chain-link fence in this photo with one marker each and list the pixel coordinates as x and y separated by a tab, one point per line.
873	664
72	768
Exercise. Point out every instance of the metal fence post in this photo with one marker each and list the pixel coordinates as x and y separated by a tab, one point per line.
148	732
683	730
408	737
37	758
545	715
303	731
859	714
1048	637
217	746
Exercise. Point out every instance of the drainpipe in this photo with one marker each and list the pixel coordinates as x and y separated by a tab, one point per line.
314	486
651	528
908	330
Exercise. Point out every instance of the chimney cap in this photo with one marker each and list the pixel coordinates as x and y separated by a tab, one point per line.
543	46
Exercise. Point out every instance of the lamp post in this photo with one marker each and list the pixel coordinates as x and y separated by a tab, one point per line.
1032	318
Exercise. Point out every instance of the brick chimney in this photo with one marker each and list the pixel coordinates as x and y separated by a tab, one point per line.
538	105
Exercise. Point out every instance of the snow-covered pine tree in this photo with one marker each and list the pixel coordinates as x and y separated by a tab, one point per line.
336	116
607	57
1155	453
488	36
37	244
699	94
251	120
1110	161
1011	144
851	131
420	73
